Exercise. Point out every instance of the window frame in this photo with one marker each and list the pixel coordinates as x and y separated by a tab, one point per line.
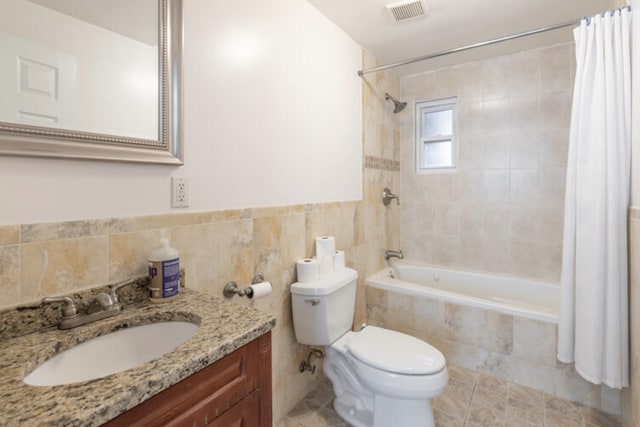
432	106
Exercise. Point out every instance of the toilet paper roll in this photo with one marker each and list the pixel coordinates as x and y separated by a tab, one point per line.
261	289
338	261
307	270
325	247
326	266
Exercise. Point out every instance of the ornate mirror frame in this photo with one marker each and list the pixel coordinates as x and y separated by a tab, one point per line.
35	141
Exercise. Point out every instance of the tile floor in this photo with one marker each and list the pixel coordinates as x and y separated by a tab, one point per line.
472	399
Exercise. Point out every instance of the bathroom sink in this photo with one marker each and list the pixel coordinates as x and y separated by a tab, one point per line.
112	353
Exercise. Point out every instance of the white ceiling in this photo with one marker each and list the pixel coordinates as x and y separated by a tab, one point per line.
452	24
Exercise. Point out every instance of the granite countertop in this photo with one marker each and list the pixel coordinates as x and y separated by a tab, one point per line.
224	327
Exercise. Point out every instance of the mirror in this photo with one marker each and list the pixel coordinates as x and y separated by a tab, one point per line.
76	84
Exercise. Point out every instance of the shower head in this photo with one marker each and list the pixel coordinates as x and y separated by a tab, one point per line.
397	105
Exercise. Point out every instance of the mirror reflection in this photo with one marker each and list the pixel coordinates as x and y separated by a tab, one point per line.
83	65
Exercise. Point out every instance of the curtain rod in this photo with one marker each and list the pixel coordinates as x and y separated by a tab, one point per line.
471	46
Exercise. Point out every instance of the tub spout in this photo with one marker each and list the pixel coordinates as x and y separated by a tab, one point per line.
388	254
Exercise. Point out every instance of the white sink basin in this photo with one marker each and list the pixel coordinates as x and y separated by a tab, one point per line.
112	353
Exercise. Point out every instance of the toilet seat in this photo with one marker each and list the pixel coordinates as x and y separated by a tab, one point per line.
395	352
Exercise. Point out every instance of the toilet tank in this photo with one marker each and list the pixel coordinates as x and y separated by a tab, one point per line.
323	310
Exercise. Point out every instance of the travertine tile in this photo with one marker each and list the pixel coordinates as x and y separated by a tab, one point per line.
495	153
139	223
555	68
633	394
447	218
487	383
9	275
30	233
524	146
533	375
198	251
455	401
593	417
461	375
561	409
550	262
525	223
486	329
235	251
525	412
496	185
443	419
525	394
555	420
555	108
497	222
525	260
9	234
129	252
428	316
513	139
61	266
400	314
473	399
493	400
534	341
484	415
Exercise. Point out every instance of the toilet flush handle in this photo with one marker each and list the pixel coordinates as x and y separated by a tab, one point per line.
313	301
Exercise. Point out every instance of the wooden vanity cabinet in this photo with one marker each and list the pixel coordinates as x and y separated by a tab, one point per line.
235	391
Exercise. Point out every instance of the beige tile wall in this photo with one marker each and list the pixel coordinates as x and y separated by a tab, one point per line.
215	248
631	409
502	211
519	350
381	147
220	246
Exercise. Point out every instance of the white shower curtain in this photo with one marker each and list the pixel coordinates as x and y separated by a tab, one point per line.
593	326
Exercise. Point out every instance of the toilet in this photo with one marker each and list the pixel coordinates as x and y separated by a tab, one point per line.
380	377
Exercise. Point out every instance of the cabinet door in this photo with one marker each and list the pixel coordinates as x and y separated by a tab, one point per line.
244	414
233	392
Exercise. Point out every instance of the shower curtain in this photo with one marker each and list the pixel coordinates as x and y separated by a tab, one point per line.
593	325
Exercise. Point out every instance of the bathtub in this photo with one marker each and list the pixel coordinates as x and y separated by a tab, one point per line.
508	295
502	326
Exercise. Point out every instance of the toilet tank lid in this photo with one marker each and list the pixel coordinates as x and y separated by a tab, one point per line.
396	352
326	285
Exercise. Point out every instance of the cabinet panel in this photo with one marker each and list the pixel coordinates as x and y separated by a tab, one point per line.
237	380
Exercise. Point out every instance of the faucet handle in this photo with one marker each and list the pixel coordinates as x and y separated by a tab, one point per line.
387	196
68	309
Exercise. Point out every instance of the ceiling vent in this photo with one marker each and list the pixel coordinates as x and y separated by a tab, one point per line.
406	9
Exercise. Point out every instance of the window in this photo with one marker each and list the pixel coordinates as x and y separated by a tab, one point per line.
436	128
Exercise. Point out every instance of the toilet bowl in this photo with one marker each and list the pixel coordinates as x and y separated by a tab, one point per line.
380	377
384	378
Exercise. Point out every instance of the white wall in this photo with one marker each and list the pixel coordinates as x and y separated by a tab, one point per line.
272	107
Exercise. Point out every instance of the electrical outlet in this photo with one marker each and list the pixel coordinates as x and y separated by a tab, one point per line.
179	192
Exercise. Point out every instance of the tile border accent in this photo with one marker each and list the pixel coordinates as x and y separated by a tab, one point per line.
373	162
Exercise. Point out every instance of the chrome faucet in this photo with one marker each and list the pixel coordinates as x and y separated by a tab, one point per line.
103	305
387	196
388	254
